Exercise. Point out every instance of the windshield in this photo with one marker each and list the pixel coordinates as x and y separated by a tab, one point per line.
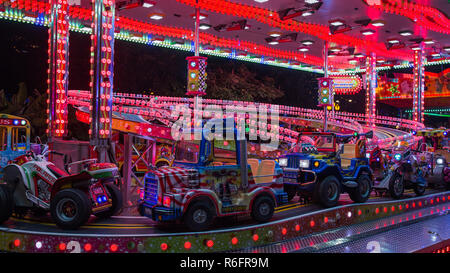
321	142
225	151
187	151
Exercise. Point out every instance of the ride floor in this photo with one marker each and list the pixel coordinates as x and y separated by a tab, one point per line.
123	225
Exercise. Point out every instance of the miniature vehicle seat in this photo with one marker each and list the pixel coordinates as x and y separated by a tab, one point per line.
265	171
254	165
349	152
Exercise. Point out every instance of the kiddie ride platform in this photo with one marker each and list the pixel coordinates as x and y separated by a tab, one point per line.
295	227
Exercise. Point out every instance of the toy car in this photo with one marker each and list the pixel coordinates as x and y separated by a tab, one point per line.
33	183
316	168
405	171
434	145
212	178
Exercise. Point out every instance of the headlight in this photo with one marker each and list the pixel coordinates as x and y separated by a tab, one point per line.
367	155
398	157
440	161
283	162
304	163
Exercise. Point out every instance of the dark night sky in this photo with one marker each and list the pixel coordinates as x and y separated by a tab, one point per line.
24	58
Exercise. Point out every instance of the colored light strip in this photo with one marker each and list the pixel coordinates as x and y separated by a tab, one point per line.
58	69
271	18
425	16
102	69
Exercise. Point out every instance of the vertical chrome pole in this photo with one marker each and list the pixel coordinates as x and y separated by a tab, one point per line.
418	88
325	74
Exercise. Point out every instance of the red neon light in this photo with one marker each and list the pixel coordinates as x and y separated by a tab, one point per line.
234	241
16	242
425	16
210	243
187	245
312	223
114	247
284	231
62	246
164	246
87	247
272	18
255	237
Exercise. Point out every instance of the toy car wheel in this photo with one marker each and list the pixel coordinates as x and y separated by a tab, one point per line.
117	202
70	208
361	193
396	186
328	192
262	209
198	216
6	203
419	190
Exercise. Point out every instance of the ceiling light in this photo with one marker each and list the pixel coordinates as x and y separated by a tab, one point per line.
204	26
367	32
275	34
393	41
147	4
307	13
202	16
311	1
359	55
380	61
273	42
261	1
436	54
353	61
336	23
405	33
428	41
307	42
416	47
303	49
447	48
335	49
156	16
377	23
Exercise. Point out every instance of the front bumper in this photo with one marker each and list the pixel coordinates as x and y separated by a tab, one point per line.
158	213
303	179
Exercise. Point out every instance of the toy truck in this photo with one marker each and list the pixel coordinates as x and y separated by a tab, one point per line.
317	168
32	183
434	149
212	178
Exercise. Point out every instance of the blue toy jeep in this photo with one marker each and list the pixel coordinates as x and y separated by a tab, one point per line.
316	168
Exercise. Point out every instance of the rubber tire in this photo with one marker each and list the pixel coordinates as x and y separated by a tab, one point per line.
320	192
391	187
117	202
82	202
355	193
419	190
6	203
189	216
255	213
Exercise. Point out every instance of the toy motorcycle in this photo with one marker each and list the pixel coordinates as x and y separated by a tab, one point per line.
33	183
404	172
